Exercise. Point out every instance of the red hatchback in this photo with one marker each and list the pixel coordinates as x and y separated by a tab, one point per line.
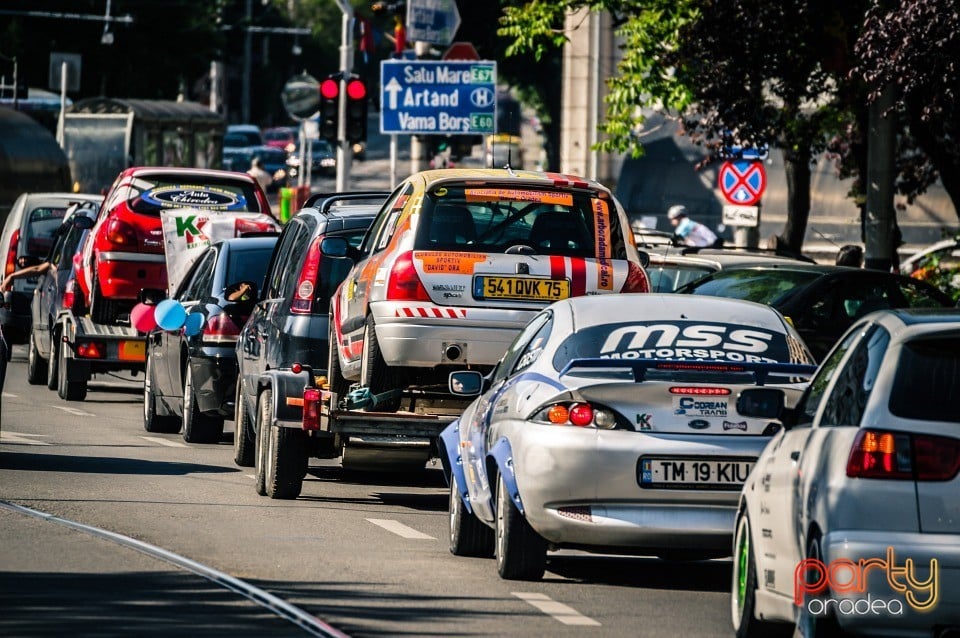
126	253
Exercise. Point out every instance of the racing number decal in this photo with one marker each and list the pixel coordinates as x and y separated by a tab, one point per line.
603	249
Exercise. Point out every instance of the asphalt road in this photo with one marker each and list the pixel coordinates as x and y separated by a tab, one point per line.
366	553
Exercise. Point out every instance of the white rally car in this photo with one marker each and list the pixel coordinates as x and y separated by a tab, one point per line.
615	423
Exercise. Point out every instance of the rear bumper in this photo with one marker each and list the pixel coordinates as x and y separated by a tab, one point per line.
124	275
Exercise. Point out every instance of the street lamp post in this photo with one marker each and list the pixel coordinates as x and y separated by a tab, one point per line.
344	155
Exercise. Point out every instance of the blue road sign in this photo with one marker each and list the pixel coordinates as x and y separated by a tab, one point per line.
427	97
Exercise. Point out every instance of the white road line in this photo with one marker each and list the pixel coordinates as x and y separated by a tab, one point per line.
400	529
9	395
20	437
302	619
159	441
564	613
73	411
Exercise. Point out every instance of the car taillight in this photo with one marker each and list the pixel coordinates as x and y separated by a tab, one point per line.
900	455
578	414
92	350
70	294
311	409
636	279
220	329
306	285
121	233
404	283
700	391
12	253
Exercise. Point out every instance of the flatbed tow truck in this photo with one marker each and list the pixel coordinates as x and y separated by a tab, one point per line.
306	419
84	348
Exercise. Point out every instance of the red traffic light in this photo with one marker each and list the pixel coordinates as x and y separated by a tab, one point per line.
356	89
330	89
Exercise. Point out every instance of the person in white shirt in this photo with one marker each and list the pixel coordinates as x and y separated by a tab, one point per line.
263	178
690	232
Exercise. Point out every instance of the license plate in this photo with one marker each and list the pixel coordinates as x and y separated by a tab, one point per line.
709	473
520	288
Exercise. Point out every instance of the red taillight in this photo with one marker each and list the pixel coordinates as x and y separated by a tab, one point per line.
220	329
636	279
92	350
404	283
12	253
581	414
121	233
306	285
69	294
701	391
311	409
878	454
937	458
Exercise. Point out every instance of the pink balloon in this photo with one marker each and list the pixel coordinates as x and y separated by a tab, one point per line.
141	317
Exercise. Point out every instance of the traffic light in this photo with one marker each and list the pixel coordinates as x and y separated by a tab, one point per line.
330	108
357	100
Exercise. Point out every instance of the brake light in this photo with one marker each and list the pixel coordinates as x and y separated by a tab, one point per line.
92	350
578	414
121	233
636	279
69	294
581	414
303	296
937	458
12	253
701	391
220	329
404	283
699	367
311	409
879	454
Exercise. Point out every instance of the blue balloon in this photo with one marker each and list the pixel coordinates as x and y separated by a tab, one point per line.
193	324
170	315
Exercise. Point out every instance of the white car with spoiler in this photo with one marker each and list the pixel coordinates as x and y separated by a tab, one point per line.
458	261
614	423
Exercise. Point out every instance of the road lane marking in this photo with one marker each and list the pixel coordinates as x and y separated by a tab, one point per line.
159	441
73	411
302	619
558	611
400	529
20	437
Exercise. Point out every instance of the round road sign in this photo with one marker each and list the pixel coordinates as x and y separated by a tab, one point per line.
742	182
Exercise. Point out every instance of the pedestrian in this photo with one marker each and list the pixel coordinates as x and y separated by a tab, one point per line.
263	178
850	255
689	232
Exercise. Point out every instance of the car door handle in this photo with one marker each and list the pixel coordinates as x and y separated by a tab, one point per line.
795	455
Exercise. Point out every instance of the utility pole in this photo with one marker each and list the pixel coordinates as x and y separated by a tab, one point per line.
344	152
880	213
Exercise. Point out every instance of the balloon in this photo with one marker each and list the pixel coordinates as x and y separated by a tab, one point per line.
193	324
170	315
142	318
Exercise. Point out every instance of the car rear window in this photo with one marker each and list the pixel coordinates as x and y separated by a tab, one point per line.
494	218
248	265
761	286
928	376
150	196
42	225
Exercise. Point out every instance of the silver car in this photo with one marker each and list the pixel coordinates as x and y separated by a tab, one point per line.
616	423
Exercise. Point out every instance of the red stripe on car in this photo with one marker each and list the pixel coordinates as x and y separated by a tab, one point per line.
578	278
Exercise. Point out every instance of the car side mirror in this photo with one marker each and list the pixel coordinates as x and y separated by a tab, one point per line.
82	222
644	258
466	383
335	247
761	403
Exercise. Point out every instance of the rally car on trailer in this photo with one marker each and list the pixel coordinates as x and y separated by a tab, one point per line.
617	423
458	261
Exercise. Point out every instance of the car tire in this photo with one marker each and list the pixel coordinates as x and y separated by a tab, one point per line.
53	363
468	536
375	374
66	389
808	625
36	365
197	426
284	450
744	587
153	422
244	439
521	553
260	458
335	379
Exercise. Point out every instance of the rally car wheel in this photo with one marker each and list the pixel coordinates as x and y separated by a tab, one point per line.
284	454
743	591
374	372
101	310
36	365
66	389
197	426
53	378
521	552
337	383
244	440
468	536
153	422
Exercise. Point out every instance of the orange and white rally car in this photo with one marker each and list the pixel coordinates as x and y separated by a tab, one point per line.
458	261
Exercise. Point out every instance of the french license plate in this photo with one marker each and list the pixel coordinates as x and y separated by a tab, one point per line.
521	288
710	473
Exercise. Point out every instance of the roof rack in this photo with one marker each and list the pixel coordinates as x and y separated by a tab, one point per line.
324	201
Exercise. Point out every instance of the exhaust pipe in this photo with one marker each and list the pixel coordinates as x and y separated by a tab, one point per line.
453	352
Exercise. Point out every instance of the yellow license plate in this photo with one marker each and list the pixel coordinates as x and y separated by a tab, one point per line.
520	288
133	351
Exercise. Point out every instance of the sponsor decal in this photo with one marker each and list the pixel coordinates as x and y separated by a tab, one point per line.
735	425
448	263
517	195
645	421
603	249
698	424
687	340
844	576
188	196
688	406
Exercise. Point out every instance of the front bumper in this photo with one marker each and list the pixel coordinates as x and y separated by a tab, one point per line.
124	275
579	487
417	334
921	548
215	381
